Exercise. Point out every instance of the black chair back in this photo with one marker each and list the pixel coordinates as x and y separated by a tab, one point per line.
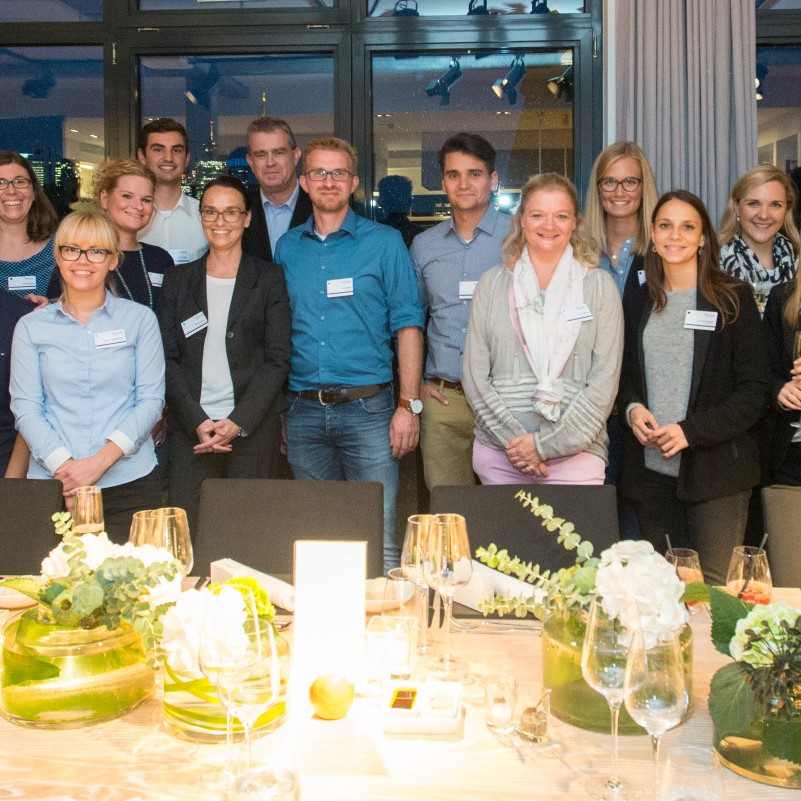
26	530
256	521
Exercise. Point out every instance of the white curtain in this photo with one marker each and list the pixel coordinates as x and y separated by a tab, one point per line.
685	74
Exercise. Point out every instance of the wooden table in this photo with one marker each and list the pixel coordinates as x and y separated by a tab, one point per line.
133	758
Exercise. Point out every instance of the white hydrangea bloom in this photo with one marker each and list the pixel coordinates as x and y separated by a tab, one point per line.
96	548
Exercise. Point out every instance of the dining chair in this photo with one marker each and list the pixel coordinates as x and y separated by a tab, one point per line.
26	530
256	521
782	510
493	514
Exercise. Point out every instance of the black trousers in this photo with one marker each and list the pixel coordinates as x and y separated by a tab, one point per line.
120	502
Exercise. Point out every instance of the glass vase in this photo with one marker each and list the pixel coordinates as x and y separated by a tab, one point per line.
572	699
57	677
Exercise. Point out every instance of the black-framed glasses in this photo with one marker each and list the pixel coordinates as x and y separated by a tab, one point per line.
17	183
629	184
321	175
229	215
94	255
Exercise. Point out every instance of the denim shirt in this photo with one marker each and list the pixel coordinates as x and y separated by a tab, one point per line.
624	260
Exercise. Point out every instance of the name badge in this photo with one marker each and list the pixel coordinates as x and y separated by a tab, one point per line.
577	314
180	256
197	322
18	282
467	289
156	279
701	320
339	287
641	276
108	339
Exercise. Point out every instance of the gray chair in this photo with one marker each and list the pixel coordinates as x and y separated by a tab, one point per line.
782	510
493	514
256	521
26	530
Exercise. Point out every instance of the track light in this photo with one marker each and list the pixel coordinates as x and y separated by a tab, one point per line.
540	7
562	84
402	9
759	81
509	83
474	8
442	85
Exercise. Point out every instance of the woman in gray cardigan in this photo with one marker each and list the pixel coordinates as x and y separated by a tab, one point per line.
543	349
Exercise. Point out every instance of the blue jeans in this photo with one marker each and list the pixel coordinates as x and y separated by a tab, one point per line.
347	442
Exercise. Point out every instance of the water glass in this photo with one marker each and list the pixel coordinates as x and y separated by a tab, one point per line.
500	703
266	784
688	568
399	594
392	644
415	543
749	575
532	711
87	512
692	774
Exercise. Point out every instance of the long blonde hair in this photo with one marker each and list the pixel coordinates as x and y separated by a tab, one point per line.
594	214
584	248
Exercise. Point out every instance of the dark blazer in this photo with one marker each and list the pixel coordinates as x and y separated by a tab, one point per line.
257	342
728	395
256	239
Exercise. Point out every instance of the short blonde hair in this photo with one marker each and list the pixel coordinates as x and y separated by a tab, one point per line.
331	143
107	175
594	214
584	249
97	228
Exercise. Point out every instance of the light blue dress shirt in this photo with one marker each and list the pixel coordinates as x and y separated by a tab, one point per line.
71	394
349	293
624	260
443	264
279	217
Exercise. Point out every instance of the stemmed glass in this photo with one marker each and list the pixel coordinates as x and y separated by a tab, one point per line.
656	689
168	528
87	512
603	664
447	567
749	575
796	354
412	562
688	568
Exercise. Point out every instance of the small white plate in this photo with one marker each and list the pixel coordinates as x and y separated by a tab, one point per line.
11	599
374	602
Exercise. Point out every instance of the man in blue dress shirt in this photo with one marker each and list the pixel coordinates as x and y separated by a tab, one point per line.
351	291
448	261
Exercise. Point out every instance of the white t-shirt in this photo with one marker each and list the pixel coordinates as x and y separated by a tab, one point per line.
177	230
216	387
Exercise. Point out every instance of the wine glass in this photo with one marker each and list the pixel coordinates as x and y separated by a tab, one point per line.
141	524
688	569
796	354
170	530
87	512
603	664
749	576
412	561
692	774
656	689
447	567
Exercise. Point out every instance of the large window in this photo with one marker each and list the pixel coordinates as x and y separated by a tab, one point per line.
779	106
51	10
424	8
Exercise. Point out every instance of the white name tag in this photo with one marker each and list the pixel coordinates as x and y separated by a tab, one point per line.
467	289
339	287
701	320
180	256
577	314
22	282
107	339
641	276
195	323
156	279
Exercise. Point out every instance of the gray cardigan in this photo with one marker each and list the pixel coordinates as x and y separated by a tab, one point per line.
499	383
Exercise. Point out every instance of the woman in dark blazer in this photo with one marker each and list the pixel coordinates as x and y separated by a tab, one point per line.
693	387
225	324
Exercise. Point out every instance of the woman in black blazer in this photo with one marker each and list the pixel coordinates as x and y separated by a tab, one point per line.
693	387
225	324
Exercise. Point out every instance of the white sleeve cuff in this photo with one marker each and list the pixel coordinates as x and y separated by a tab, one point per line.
56	459
122	441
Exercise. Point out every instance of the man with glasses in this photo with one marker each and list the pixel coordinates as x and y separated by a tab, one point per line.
278	202
448	261
175	224
351	291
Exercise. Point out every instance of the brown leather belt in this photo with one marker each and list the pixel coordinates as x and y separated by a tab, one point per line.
441	382
326	397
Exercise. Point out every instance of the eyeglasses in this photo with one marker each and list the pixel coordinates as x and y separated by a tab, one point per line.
321	175
93	255
630	184
18	183
229	215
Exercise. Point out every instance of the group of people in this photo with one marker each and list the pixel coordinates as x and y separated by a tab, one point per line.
623	346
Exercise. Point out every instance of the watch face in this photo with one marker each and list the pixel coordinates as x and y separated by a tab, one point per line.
415	406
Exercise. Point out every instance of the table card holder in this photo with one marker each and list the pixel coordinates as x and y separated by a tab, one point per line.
329	615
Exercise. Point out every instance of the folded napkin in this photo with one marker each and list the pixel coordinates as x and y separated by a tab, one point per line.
281	593
486	582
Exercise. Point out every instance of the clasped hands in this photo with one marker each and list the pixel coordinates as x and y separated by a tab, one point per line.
669	439
215	436
790	394
523	456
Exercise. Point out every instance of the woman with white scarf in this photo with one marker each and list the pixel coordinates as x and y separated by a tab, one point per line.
543	349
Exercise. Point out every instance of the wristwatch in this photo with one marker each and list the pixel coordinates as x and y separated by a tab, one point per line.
414	405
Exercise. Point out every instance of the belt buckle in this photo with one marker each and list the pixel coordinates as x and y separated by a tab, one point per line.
320	397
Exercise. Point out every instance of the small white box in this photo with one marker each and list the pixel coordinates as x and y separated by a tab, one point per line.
430	707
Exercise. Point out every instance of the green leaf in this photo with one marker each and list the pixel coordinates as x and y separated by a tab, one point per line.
27	585
696	592
726	610
731	700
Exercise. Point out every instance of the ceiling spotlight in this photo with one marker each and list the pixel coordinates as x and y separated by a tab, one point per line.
442	85
509	83
562	85
759	81
477	7
403	9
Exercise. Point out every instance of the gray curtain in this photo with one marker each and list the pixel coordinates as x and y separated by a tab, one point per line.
685	91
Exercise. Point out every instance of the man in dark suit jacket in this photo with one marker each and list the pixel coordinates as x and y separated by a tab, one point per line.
278	203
